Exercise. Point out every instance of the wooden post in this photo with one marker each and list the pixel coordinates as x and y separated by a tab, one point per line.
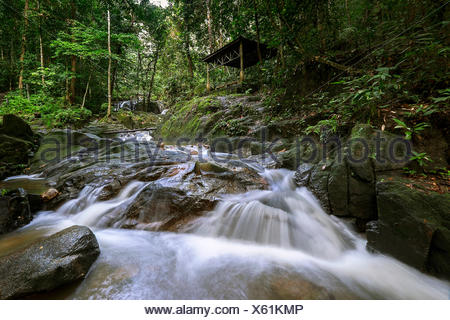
208	85
241	54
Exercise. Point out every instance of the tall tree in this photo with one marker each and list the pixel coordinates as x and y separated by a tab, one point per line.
109	64
210	29
24	44
73	60
41	45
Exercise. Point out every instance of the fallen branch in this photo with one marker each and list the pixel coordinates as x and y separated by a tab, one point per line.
337	65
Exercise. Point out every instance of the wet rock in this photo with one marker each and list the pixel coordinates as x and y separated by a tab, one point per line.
361	199
14	211
154	107
15	150
162	207
47	264
289	159
290	288
36	203
338	189
58	145
186	191
318	184
50	194
303	174
209	167
413	225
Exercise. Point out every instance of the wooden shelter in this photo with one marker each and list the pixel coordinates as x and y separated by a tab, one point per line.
240	53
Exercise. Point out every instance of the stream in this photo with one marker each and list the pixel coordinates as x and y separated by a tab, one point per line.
272	243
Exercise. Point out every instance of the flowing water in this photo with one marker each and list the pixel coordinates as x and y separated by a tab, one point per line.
264	244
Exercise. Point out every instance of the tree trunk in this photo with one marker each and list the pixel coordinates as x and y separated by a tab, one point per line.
138	72
67	83
188	56
258	39
114	71
109	64
73	64
241	55
24	42
281	53
73	79
11	67
152	80
40	43
210	31
347	13
86	91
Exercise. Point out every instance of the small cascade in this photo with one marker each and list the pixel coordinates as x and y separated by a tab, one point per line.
284	217
89	211
242	249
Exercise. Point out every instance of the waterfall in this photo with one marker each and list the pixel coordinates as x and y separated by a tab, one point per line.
242	249
284	216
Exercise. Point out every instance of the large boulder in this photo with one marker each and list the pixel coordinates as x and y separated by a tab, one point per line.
17	145
16	127
164	208
14	211
344	180
413	225
15	150
47	264
185	192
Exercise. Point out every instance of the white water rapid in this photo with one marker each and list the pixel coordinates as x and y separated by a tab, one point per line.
261	244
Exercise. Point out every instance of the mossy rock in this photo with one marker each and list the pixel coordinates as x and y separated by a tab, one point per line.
15	150
413	225
208	167
16	127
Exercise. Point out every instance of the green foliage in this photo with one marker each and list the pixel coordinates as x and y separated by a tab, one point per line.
72	116
409	171
16	103
444	96
52	111
398	48
421	158
329	124
410	130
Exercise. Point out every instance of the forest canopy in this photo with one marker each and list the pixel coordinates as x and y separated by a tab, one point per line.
55	57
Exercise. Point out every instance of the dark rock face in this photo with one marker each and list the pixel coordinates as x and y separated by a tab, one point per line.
339	189
413	226
14	150
344	183
401	220
14	211
17	144
47	264
16	127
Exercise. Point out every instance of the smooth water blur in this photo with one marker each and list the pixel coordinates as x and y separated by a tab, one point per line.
284	216
241	250
32	184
